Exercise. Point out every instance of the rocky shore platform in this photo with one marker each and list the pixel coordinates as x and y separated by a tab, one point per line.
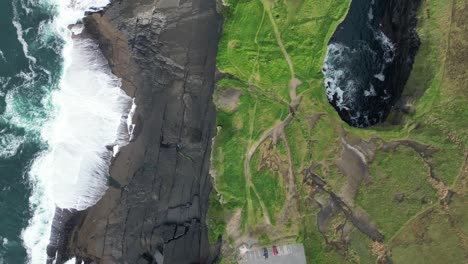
155	208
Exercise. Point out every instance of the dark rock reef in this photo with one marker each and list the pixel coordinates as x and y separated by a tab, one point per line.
155	210
369	59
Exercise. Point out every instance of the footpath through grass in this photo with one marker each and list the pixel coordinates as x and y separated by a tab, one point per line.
250	54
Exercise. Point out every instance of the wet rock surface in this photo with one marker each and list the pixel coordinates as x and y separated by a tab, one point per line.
165	54
369	59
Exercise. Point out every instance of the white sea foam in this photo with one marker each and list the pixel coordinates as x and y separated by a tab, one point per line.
115	150
91	112
380	76
387	45
386	96
36	235
24	6
17	111
2	56
371	91
4	81
370	14
334	76
89	105
71	11
9	145
71	261
125	129
130	124
76	29
43	30
340	84
19	33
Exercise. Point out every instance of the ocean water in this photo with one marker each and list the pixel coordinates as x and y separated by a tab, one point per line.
30	68
357	64
61	113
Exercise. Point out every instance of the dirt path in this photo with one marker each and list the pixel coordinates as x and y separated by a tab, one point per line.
278	39
276	132
248	178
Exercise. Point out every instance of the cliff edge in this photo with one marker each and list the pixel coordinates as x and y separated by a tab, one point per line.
155	208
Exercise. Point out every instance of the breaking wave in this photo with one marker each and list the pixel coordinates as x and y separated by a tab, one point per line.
355	69
2	56
90	106
9	145
89	117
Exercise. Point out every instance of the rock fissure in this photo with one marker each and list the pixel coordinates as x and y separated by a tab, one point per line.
165	54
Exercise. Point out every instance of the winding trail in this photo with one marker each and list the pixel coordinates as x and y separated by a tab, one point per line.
248	178
276	132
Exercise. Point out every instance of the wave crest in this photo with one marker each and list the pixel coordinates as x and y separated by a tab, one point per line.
90	106
90	116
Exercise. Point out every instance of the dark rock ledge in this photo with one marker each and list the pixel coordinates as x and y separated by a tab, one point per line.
165	53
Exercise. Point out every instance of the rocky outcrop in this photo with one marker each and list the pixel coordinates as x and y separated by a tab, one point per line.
155	210
63	223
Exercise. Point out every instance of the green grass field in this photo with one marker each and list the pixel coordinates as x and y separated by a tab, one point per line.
251	53
389	180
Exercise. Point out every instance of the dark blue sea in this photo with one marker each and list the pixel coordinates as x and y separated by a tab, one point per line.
357	65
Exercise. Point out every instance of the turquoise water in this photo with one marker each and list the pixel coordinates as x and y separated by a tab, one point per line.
29	71
61	109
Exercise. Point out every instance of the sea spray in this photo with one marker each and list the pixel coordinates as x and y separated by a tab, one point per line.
358	60
19	32
90	105
90	113
29	71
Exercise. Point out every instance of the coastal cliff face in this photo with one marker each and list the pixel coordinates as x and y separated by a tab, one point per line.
155	207
400	19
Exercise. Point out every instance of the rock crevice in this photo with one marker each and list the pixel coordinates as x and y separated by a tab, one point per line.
165	54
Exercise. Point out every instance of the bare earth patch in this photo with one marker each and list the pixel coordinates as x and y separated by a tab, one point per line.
233	227
228	99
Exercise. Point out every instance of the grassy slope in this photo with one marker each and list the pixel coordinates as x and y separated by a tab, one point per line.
389	179
439	234
249	51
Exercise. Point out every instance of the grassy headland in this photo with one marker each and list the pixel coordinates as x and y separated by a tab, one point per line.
274	123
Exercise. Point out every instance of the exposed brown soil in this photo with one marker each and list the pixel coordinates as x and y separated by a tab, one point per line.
228	99
382	253
276	132
233	227
353	164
